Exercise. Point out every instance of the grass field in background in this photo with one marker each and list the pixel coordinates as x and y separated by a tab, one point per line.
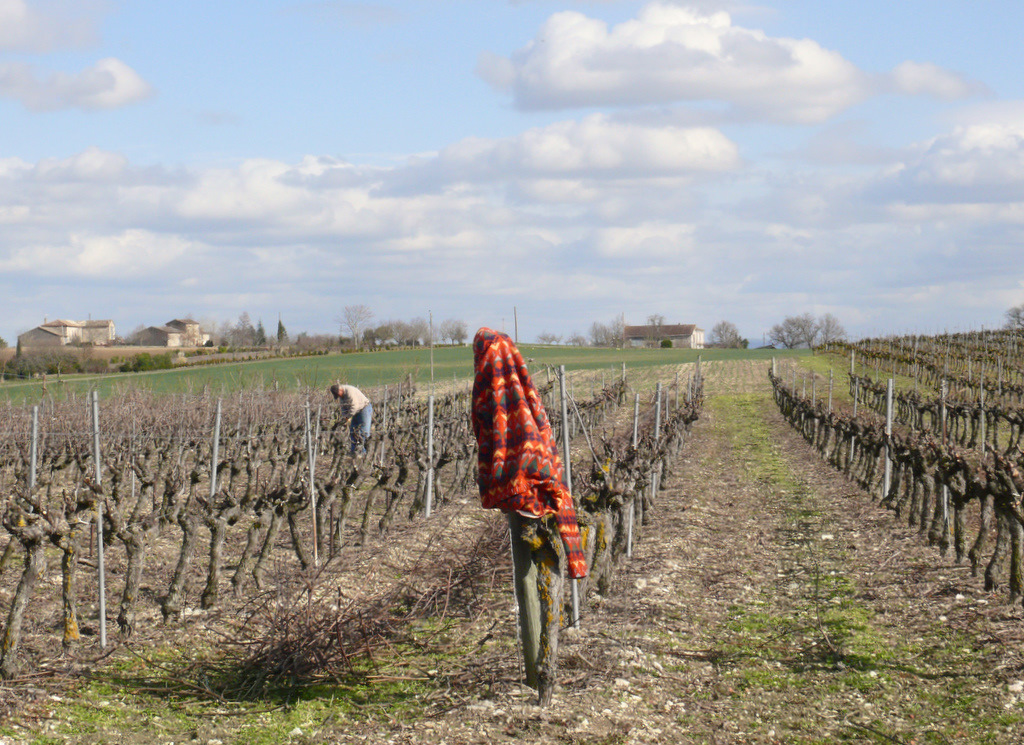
364	369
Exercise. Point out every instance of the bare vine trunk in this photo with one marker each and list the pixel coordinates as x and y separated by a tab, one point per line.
35	559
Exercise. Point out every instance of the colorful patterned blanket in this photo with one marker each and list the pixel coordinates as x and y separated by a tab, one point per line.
519	467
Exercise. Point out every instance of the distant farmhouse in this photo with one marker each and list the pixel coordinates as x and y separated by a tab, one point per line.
60	333
176	333
685	335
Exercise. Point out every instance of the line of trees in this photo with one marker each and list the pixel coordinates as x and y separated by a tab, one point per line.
601	335
356	330
806	331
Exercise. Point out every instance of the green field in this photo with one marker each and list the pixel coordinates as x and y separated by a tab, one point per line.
366	369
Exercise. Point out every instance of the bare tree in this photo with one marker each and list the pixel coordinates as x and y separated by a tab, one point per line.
548	338
607	335
795	331
577	339
725	334
386	333
404	334
355	318
460	332
1015	318
829	329
243	333
418	332
453	330
617	329
654	323
223	333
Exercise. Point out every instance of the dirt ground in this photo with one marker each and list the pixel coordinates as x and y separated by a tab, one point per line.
768	601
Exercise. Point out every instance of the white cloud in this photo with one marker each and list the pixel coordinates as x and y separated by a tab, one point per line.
670	54
582	204
597	147
254	190
108	84
925	79
979	164
130	254
645	241
92	164
26	28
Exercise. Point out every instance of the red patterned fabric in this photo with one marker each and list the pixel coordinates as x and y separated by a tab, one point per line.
519	467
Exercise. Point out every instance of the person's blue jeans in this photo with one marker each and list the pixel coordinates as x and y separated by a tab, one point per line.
359	428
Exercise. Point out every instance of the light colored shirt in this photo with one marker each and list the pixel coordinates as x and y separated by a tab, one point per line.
352	400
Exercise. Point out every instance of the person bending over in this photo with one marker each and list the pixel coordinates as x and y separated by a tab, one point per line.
357	410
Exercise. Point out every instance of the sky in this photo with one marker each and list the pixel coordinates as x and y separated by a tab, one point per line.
532	162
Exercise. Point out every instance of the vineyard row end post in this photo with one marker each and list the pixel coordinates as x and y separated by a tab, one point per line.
657	435
33	450
429	496
888	433
632	504
100	571
525	577
567	478
943	391
311	458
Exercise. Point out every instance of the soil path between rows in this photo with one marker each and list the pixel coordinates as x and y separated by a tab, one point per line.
770	601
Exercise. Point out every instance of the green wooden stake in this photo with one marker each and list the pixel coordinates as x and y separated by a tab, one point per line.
527	599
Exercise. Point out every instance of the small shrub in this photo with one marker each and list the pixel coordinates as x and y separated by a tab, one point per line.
145	361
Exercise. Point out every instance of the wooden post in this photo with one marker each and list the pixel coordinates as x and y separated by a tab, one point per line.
311	458
33	450
657	435
631	517
981	409
429	496
382	427
539	598
527	598
567	478
945	489
100	571
888	432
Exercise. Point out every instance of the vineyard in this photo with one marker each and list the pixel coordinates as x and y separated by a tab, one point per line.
194	503
945	454
747	583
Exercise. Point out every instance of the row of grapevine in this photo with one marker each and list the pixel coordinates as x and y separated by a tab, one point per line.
242	479
930	468
970	365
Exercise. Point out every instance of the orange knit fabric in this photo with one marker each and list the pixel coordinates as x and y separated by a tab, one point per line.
519	467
